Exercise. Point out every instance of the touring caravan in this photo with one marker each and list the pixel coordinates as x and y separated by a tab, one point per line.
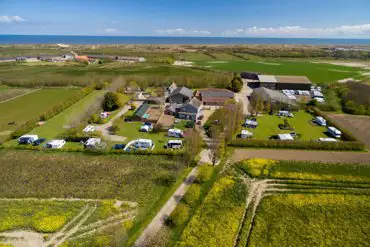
92	143
27	139
176	133
334	132
174	144
55	144
320	121
246	134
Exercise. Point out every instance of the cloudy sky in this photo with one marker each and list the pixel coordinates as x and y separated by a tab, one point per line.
233	18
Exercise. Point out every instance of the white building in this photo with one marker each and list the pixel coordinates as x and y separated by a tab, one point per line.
55	144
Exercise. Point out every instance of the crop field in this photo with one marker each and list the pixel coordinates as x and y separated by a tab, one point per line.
285	204
32	105
316	72
82	200
8	93
23	74
268	126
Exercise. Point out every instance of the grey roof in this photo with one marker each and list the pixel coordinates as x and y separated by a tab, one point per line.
182	90
195	102
141	110
268	94
216	93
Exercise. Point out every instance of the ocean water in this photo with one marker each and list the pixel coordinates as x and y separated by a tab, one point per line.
53	39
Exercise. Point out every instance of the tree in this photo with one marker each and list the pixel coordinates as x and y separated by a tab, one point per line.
215	143
236	84
193	142
111	101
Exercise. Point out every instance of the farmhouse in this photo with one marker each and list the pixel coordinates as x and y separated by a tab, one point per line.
189	110
284	82
147	113
214	96
276	99
180	95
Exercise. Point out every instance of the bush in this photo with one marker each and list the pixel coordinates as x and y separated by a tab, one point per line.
114	128
111	101
192	195
179	216
298	144
204	174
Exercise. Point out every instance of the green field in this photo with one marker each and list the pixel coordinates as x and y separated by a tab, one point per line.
312	220
55	125
32	105
138	179
268	126
316	72
130	130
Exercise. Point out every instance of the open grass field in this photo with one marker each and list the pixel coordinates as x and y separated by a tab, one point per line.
55	125
312	220
77	74
143	180
8	93
268	126
32	105
316	72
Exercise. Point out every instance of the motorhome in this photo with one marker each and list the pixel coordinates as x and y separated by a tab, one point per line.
27	139
174	144
89	128
327	140
285	114
176	133
285	137
320	121
55	144
334	132
246	134
92	143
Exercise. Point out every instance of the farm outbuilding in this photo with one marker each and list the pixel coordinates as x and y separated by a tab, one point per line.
147	113
284	82
276	100
214	96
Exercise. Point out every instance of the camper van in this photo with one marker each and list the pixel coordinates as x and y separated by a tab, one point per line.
246	134
92	143
285	114
145	128
89	128
104	115
55	144
320	121
334	132
174	144
327	140
176	133
27	139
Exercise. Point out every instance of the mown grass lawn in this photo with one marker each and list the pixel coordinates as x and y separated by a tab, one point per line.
268	126
312	220
32	105
130	130
316	72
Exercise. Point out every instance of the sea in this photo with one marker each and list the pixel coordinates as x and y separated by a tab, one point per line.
155	40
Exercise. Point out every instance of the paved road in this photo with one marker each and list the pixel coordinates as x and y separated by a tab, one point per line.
303	155
159	220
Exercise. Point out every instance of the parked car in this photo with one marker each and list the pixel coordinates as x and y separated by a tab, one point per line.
200	117
39	141
119	146
128	120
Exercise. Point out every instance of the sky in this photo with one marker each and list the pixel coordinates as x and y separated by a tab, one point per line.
214	18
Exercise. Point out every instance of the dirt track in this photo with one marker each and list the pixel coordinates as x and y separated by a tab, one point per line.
358	125
319	156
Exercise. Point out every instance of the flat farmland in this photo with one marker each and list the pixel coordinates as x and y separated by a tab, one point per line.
31	106
109	196
316	72
8	93
358	125
312	220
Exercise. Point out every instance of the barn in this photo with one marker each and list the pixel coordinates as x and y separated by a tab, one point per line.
284	82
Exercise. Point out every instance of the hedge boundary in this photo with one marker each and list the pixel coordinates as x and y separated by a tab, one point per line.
350	143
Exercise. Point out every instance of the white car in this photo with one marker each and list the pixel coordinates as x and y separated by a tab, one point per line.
89	128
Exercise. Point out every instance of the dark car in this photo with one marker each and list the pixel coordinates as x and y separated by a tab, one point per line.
128	120
119	146
200	117
39	141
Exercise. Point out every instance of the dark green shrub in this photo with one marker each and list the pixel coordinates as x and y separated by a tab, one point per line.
111	101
